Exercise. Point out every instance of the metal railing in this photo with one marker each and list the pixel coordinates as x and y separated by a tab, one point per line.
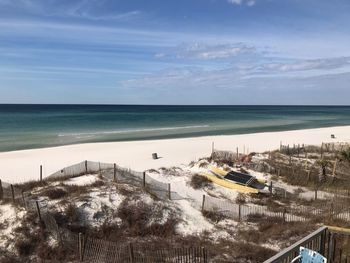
330	242
315	241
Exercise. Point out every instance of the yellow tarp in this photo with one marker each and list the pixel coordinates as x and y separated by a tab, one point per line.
218	171
230	185
222	172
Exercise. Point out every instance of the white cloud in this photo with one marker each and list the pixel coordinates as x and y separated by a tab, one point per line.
208	52
251	75
232	86
242	2
315	64
86	9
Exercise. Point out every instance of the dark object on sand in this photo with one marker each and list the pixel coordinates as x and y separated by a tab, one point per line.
332	136
244	179
154	156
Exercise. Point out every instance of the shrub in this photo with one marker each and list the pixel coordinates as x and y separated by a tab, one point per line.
54	254
97	183
30	185
25	246
198	181
55	193
240	199
72	213
77	190
248	252
345	155
125	190
6	257
214	216
141	219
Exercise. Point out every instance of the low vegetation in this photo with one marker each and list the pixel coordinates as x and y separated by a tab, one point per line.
198	181
55	193
124	213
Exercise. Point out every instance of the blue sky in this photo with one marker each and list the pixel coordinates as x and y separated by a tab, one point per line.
175	52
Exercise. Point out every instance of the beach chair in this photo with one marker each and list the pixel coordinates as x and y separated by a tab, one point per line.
309	256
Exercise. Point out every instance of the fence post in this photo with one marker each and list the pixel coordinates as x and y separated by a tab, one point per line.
38	210
331	209
169	191
144	179
334	168
203	203
41	173
212	147
13	193
305	150
131	253
239	212
24	201
204	255
114	172
1	190
316	194
284	214
80	246
340	254
86	167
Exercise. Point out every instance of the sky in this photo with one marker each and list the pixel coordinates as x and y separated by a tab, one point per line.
294	52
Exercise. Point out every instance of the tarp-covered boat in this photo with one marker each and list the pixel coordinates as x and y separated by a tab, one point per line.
241	182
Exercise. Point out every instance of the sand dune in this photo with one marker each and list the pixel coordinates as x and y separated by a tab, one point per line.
19	166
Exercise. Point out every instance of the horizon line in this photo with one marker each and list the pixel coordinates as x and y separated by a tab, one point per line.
132	104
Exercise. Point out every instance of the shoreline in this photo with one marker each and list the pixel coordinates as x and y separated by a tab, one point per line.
157	138
23	165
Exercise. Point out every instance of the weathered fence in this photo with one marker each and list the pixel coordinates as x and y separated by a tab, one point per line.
242	212
225	156
299	149
108	171
97	250
118	174
90	249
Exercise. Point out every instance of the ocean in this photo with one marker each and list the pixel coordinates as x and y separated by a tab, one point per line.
36	126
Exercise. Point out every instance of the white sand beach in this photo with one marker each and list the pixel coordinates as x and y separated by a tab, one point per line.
20	166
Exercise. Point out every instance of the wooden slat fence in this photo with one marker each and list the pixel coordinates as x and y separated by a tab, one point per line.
51	225
300	214
69	240
116	173
98	250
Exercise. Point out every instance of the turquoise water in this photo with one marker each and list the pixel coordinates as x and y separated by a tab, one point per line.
35	126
